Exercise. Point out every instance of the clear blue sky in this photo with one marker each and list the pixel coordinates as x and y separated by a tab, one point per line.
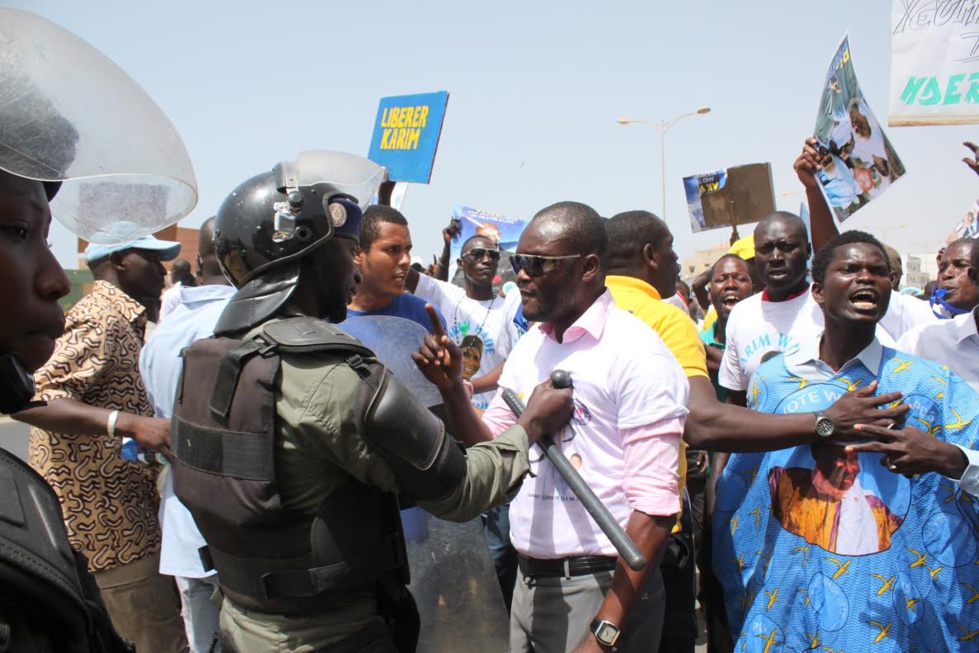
536	88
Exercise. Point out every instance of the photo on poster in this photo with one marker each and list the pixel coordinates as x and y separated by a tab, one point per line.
967	227
733	196
858	161
502	230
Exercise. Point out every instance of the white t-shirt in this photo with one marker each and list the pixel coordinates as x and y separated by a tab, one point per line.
490	320
905	313
630	399
756	327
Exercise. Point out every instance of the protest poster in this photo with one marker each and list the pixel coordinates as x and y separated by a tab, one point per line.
967	227
503	231
406	135
729	197
858	161
934	62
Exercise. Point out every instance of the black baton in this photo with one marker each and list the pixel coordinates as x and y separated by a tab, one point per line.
622	543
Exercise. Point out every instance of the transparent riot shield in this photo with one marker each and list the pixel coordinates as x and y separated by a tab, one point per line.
69	114
452	575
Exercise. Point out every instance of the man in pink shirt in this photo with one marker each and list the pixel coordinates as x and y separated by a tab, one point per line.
573	593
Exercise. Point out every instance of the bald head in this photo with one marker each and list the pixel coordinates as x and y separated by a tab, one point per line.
180	272
562	264
792	223
208	268
578	223
629	232
781	253
640	245
205	238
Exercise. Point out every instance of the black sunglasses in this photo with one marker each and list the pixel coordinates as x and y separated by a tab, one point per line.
479	253
533	264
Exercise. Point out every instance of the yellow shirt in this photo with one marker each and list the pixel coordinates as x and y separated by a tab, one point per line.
709	319
674	327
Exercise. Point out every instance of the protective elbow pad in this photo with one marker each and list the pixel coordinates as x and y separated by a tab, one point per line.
427	463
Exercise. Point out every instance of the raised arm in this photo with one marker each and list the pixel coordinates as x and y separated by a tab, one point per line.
821	223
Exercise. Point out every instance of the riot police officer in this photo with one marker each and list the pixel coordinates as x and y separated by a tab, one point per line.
291	442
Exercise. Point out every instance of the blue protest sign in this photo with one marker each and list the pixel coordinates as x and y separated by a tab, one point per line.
406	135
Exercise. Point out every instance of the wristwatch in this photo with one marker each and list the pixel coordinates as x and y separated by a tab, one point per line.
606	632
824	426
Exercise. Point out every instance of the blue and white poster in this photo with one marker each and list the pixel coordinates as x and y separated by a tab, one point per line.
406	135
858	161
500	229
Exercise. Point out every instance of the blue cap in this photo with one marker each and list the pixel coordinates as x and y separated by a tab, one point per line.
167	249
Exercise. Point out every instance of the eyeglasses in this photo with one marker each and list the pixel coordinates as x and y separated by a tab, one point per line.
479	253
533	264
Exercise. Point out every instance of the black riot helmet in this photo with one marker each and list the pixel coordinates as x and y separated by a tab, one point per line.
272	221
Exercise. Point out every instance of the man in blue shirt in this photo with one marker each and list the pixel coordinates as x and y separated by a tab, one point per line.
383	261
818	545
194	317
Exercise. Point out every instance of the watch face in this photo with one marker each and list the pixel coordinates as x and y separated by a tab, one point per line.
607	633
824	427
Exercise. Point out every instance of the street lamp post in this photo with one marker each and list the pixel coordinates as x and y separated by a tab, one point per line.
662	127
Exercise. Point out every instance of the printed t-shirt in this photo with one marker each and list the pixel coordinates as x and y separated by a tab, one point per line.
812	542
757	327
474	325
630	400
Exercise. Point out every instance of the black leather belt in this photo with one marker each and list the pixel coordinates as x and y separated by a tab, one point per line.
565	567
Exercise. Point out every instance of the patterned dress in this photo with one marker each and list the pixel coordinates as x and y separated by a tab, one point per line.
820	550
109	504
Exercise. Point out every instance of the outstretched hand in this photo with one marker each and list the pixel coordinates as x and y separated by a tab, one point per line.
973	163
910	451
807	164
862	406
452	231
438	358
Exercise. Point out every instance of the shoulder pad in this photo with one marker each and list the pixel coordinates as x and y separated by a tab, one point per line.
308	334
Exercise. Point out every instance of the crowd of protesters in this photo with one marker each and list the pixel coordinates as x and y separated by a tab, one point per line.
806	439
787	441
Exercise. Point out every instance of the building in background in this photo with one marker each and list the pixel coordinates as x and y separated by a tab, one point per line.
701	260
919	269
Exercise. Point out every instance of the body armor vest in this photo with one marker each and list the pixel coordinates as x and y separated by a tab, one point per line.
46	591
269	558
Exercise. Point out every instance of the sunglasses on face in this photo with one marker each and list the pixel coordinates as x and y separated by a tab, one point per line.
479	253
533	265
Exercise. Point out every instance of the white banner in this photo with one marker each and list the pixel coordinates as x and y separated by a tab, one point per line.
934	62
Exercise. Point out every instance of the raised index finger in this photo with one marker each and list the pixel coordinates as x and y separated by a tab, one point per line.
437	329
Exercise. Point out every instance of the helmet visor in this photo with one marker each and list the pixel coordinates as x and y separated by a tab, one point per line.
347	174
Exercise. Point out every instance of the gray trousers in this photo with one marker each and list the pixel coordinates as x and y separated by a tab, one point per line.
553	615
